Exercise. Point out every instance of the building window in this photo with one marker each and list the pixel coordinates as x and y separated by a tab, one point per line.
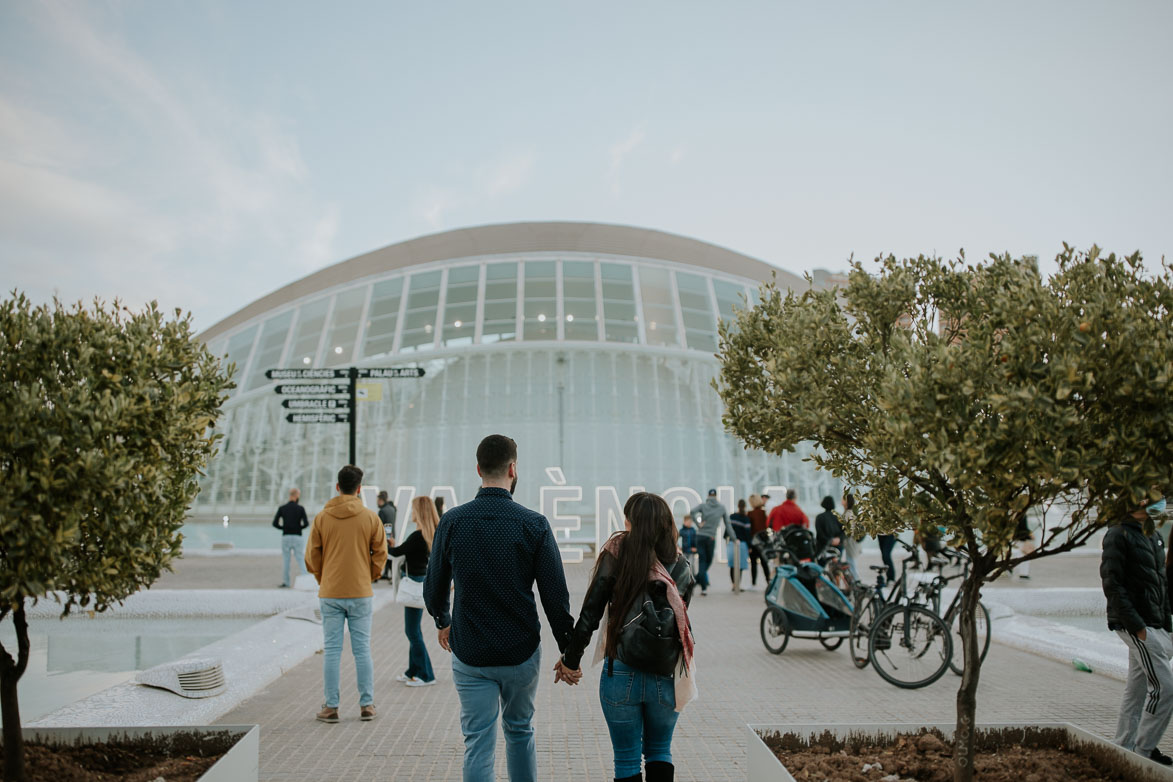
239	348
696	308
659	309
311	320
729	295
579	301
541	304
269	351
619	321
348	307
500	303
423	296
383	317
460	307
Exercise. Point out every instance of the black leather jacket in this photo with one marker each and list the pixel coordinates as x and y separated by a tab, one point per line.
1132	570
599	595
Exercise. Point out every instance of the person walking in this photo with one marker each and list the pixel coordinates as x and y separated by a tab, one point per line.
758	522
387	514
788	514
688	539
346	553
708	515
1132	571
416	550
291	520
496	550
648	675
737	540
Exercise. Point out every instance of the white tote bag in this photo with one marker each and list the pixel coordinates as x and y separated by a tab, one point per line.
410	593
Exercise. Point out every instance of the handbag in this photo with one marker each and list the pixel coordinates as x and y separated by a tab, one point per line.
410	593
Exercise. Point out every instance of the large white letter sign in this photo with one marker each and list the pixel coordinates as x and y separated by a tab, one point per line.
562	524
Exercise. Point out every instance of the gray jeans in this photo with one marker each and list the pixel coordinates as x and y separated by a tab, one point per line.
1148	691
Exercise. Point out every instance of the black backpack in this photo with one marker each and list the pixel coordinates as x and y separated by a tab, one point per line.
648	639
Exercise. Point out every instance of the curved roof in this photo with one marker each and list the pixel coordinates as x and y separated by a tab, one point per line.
510	238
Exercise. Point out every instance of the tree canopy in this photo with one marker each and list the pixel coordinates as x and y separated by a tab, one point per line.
967	395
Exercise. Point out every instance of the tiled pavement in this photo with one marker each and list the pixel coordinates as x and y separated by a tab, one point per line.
417	735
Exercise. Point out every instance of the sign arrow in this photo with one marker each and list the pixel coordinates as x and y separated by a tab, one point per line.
305	374
312	388
315	404
318	418
391	372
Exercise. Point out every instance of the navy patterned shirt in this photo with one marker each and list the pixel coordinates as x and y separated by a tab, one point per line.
495	550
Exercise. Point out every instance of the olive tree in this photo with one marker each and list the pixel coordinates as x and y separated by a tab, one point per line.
967	396
106	426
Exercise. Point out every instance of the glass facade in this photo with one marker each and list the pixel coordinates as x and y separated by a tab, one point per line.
600	365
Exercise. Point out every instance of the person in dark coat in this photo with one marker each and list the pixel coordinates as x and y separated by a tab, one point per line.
1134	577
291	519
828	528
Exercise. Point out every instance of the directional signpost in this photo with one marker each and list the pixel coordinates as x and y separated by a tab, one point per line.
315	393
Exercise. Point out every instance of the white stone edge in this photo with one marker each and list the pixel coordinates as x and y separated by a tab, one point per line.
253	659
764	766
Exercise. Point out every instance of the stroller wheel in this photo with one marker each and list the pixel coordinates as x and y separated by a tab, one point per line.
831	644
775	630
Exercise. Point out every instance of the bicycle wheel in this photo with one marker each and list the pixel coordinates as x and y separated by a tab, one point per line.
957	660
861	626
910	646
775	630
831	644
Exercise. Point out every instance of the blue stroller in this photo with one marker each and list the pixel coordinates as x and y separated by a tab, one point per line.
801	600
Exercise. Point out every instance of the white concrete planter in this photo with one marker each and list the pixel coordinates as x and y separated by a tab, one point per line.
241	763
764	766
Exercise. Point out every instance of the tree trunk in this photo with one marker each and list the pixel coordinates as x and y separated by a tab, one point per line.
963	738
10	673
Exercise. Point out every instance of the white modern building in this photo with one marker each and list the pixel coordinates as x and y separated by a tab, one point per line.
591	345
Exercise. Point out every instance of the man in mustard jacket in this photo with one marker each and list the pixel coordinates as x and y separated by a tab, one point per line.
346	553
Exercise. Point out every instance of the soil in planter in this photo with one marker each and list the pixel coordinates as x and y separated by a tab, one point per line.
1036	755
176	758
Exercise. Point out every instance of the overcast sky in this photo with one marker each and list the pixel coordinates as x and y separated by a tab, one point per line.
205	153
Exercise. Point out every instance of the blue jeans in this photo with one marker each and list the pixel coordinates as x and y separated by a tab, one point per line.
356	613
640	709
419	664
482	691
705	547
291	547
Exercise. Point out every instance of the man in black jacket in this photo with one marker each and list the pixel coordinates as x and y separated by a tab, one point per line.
291	520
1132	570
496	551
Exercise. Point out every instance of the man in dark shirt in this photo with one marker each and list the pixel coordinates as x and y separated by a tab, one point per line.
496	550
291	520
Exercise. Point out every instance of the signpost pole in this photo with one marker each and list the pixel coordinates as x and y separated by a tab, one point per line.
353	375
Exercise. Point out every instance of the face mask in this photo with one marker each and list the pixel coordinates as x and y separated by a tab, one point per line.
1156	509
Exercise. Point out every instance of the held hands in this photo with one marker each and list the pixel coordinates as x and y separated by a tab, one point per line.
564	674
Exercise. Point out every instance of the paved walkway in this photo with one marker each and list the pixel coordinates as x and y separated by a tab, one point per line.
417	735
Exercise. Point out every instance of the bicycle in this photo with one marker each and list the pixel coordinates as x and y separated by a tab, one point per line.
869	601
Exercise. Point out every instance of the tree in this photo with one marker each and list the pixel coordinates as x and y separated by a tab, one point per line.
967	396
107	424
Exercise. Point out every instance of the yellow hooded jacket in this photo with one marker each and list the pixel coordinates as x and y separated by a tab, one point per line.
347	548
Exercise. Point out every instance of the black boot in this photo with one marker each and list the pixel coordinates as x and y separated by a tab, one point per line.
659	771
636	778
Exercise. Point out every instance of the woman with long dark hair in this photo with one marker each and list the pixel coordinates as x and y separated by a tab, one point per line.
641	586
415	550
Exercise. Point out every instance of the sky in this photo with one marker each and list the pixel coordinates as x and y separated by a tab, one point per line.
202	154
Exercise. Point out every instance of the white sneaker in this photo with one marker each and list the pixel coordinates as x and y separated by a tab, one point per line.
403	677
414	682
